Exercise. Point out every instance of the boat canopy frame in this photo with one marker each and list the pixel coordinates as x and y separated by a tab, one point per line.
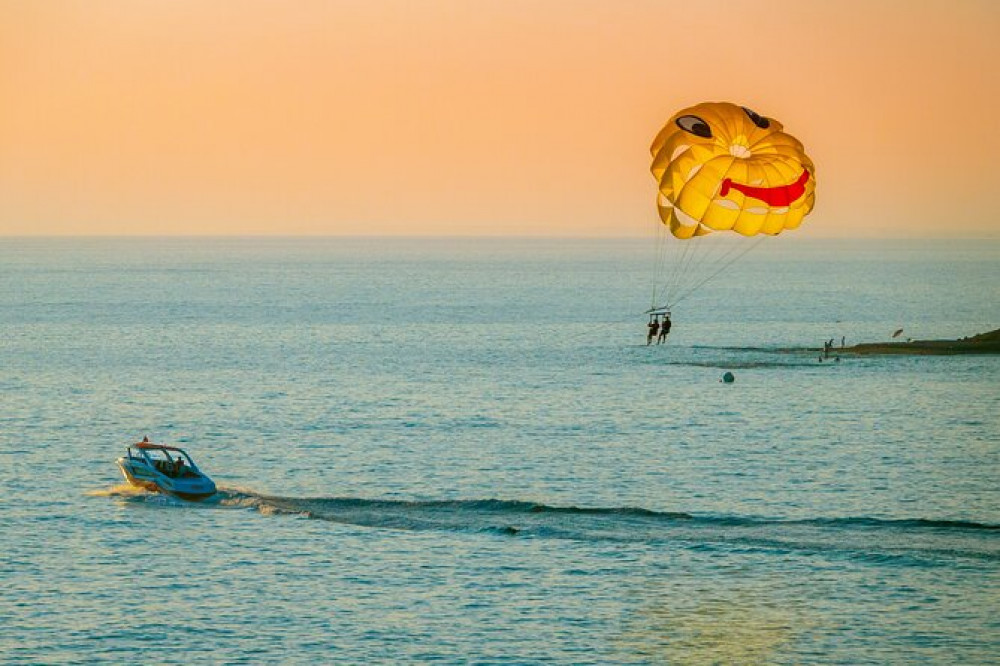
145	448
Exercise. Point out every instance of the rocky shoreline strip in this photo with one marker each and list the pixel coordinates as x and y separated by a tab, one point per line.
984	343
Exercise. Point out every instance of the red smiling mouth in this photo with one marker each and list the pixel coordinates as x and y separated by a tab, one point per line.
772	196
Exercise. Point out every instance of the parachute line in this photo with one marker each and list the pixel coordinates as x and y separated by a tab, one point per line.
708	279
738	175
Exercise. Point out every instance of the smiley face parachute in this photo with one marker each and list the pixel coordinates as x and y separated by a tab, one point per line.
724	172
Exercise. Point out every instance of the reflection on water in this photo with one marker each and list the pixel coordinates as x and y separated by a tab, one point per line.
120	490
731	623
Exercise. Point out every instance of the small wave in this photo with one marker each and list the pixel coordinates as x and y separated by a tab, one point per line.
741	349
908	523
739	358
729	364
763	350
853	522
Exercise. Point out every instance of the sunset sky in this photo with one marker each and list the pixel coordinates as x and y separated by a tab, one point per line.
480	117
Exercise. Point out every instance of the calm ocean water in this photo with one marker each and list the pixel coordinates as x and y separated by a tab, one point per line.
463	451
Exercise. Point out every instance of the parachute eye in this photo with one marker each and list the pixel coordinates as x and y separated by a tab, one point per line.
757	119
695	125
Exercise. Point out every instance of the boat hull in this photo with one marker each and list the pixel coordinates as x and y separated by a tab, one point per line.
142	476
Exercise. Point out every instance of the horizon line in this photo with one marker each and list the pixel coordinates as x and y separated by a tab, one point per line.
590	237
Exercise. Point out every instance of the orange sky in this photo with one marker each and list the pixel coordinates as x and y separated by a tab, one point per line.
481	117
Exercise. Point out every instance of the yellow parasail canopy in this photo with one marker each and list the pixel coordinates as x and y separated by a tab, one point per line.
723	167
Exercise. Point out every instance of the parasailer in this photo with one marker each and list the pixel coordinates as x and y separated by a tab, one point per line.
722	170
652	328
665	325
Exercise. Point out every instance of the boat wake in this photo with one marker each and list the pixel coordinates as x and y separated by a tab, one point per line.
928	540
120	490
737	358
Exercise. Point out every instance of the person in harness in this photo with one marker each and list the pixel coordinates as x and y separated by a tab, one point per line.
654	328
664	328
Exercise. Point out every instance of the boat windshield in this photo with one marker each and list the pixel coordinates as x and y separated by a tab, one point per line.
172	462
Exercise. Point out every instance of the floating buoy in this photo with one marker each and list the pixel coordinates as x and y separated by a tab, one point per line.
728	378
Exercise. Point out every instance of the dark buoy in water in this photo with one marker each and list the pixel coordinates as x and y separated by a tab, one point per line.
728	378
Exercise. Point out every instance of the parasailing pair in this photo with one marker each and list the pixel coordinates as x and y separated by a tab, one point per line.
725	174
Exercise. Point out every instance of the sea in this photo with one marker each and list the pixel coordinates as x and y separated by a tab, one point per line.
462	450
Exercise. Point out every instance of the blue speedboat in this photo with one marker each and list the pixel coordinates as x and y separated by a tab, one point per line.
165	469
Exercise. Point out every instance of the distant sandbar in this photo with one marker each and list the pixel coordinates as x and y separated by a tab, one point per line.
984	343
